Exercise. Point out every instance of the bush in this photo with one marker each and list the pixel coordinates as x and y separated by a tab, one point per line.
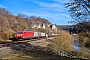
84	39
5	36
13	35
8	34
63	42
87	44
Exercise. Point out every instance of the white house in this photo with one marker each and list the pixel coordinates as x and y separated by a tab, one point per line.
43	26
54	27
38	25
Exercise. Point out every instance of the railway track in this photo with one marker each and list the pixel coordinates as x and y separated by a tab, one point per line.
7	44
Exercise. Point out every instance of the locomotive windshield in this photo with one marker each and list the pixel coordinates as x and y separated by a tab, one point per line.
19	32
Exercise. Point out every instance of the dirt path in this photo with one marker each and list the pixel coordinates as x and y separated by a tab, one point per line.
42	43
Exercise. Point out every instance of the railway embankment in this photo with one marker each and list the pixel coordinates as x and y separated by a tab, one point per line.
19	46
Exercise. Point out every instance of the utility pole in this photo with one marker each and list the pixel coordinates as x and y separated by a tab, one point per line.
26	24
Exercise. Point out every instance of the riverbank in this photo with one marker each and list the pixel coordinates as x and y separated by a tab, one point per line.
39	53
66	43
80	49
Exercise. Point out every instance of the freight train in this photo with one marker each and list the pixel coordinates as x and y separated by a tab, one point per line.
28	34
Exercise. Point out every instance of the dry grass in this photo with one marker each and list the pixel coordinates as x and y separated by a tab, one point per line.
63	42
0	38
30	55
82	54
34	55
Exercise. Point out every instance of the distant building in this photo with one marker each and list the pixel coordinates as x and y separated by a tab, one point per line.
44	26
38	25
54	28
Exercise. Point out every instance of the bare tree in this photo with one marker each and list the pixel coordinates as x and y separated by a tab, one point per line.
80	12
4	11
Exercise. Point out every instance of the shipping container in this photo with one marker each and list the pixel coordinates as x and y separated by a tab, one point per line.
42	34
36	34
52	34
39	34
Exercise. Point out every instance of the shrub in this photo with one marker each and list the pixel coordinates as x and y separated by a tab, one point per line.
8	34
13	35
63	42
87	44
84	39
5	36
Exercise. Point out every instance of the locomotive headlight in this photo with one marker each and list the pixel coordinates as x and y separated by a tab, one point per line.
17	34
21	35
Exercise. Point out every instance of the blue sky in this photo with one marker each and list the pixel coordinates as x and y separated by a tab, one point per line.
52	10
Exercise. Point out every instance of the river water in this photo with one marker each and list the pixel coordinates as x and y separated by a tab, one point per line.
76	44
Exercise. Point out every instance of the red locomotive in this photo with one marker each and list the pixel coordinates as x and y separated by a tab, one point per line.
24	34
